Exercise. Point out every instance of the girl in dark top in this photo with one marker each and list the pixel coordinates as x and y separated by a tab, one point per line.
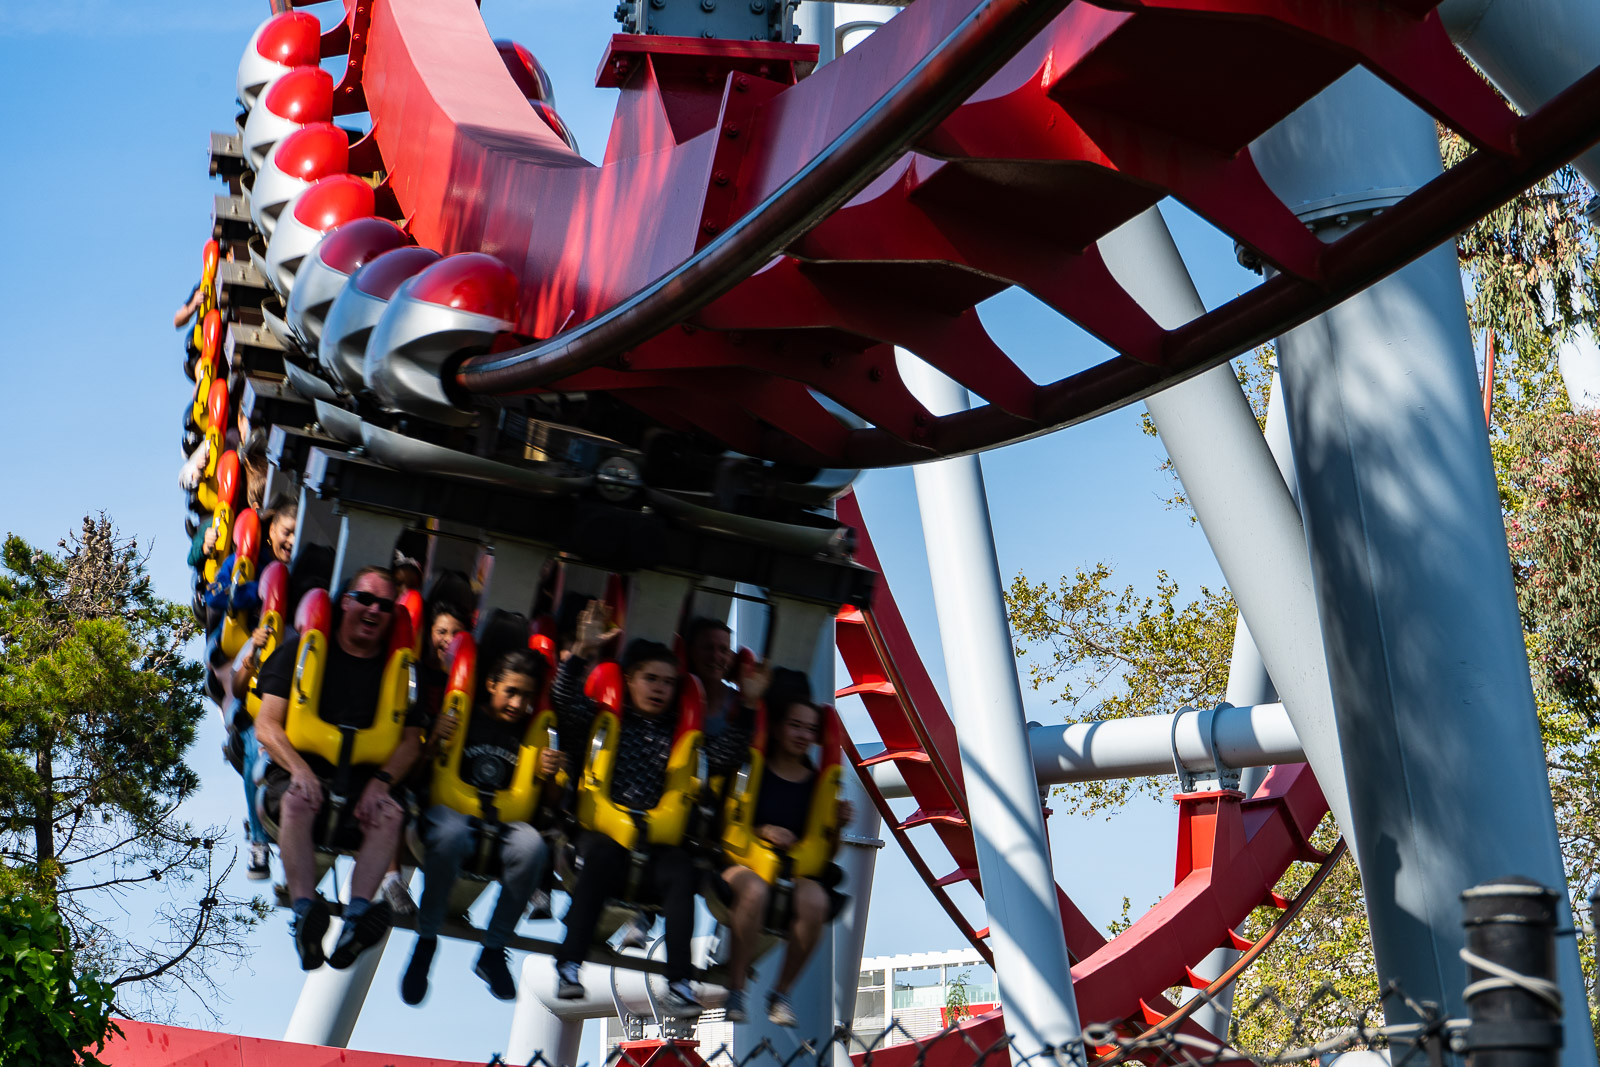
489	758
783	805
648	721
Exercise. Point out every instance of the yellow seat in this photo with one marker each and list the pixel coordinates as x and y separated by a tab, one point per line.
815	849
274	591
520	800
236	624
666	823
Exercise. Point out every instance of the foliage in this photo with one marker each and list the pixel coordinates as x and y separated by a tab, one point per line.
98	705
1328	942
1109	654
49	1015
1553	478
957	998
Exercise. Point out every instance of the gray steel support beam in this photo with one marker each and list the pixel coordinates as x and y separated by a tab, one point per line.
366	539
1425	651
1248	683
330	1001
1530	50
514	578
813	992
1244	507
1206	743
858	857
1031	965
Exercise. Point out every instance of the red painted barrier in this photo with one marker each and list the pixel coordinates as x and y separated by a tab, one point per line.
148	1045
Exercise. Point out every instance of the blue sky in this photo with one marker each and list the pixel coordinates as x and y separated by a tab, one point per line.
104	203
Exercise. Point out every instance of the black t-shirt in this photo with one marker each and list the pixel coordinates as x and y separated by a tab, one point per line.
350	684
489	756
784	803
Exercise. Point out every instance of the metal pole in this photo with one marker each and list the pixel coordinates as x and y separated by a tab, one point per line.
1249	517
858	856
330	1001
812	994
534	1027
1424	646
1031	965
1248	684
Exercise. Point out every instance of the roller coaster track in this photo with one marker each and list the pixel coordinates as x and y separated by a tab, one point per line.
1232	850
755	237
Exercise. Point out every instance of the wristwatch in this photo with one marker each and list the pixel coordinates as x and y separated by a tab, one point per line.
384	776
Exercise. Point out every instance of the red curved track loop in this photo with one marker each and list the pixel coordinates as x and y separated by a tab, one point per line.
713	272
1232	850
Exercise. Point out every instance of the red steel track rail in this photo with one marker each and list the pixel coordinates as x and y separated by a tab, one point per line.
1232	850
754	237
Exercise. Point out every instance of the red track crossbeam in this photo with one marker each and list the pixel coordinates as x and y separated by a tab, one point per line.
751	239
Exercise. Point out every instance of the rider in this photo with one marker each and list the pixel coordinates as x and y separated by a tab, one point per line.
442	619
648	721
298	784
489	756
729	719
783	806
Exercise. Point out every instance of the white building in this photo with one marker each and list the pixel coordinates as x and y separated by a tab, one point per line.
920	991
917	990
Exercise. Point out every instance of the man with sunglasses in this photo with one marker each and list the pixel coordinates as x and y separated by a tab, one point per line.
298	785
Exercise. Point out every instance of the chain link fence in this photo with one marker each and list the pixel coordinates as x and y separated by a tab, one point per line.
1325	1025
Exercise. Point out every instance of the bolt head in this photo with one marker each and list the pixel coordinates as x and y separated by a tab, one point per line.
708	5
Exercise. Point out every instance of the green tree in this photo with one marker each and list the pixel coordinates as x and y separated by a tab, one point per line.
1109	654
98	706
50	1014
958	997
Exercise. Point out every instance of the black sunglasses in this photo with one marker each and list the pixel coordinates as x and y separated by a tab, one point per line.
369	600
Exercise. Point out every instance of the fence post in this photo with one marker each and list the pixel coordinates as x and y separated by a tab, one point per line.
1512	996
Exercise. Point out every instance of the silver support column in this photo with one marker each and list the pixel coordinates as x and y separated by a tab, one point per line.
366	539
799	637
317	524
1424	645
1248	684
535	1028
1530	49
858	856
513	578
1030	956
330	1001
1244	507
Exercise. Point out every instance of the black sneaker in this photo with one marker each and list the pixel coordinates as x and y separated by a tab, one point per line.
568	987
493	970
414	983
309	925
680	1001
360	934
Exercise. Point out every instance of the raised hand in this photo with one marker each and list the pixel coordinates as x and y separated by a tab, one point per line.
754	679
595	628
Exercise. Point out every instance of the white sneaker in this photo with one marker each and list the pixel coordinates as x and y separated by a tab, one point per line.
395	892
